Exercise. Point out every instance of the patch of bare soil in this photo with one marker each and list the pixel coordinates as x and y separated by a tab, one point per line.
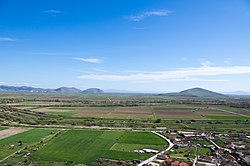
12	131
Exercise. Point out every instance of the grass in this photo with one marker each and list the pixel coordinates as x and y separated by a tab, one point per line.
77	146
27	138
145	138
131	147
220	143
119	155
203	142
170	135
189	152
85	146
233	117
67	114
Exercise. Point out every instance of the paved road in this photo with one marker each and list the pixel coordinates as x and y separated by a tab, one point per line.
195	160
217	146
160	153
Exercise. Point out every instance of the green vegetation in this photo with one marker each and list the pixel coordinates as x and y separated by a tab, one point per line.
119	155
189	152
137	114
68	114
131	147
10	144
88	145
145	138
228	117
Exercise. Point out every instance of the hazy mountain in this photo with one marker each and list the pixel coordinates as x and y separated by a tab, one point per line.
67	90
4	88
93	91
196	92
21	89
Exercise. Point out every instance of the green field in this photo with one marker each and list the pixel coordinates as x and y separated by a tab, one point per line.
233	117
189	152
131	147
85	146
144	138
67	114
27	138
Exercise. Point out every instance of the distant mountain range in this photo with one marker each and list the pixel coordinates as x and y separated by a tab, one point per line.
195	92
4	88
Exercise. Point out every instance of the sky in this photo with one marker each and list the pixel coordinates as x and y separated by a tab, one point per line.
140	46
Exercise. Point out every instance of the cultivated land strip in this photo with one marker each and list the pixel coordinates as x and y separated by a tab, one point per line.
231	112
45	140
12	131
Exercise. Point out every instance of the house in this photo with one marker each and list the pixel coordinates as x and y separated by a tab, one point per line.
206	161
183	144
139	151
168	161
183	164
161	157
175	163
153	164
187	134
150	151
229	163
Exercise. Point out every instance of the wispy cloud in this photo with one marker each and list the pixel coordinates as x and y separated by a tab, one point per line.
52	12
181	74
8	39
227	61
89	60
143	15
206	63
99	70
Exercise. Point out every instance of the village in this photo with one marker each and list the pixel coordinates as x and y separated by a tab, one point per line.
201	149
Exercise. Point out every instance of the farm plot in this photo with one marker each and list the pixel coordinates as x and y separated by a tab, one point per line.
242	111
11	131
224	113
168	112
131	112
77	111
85	146
101	112
13	143
131	141
230	117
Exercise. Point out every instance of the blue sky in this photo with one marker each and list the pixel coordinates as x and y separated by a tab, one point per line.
142	45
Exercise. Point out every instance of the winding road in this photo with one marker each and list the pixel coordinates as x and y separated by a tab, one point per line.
160	153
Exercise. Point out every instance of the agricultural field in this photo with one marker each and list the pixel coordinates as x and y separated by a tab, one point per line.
85	146
168	112
70	130
10	145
